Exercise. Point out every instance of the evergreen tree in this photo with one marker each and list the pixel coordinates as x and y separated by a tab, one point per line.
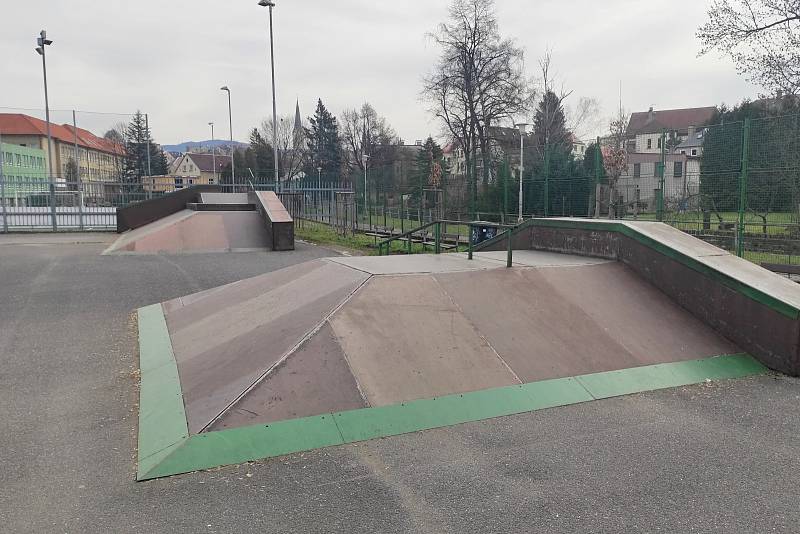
137	141
259	158
324	145
424	168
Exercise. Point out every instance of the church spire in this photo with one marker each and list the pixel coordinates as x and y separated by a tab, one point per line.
298	127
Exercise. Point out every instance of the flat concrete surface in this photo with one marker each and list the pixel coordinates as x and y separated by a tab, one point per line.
415	263
536	258
718	458
190	231
224	198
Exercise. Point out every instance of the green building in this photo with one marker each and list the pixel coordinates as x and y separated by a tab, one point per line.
24	171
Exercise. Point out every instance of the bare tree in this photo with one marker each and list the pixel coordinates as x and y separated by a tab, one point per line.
615	159
478	82
761	36
584	119
364	132
291	149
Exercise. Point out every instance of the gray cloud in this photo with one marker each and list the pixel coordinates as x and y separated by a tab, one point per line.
169	58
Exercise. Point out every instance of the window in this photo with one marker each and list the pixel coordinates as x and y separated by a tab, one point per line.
649	143
637	170
678	169
694	152
659	142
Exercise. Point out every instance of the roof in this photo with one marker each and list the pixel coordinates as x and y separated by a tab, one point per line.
693	141
205	162
652	121
19	124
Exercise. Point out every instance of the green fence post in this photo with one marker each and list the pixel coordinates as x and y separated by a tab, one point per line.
408	244
546	180
743	187
437	236
469	241
506	174
510	234
661	174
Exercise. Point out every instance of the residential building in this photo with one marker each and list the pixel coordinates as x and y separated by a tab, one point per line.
682	132
199	168
578	147
646	127
169	182
22	173
100	161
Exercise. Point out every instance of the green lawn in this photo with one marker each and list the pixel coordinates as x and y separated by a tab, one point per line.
777	223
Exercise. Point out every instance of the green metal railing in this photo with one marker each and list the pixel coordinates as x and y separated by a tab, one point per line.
408	237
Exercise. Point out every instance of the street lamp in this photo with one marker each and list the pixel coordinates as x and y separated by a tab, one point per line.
42	42
521	126
230	124
213	152
270	4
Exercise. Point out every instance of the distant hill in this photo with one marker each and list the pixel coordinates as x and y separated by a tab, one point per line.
186	145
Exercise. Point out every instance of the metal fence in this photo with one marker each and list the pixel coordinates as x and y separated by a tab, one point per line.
736	185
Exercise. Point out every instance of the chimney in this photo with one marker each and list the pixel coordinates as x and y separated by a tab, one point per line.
651	115
691	132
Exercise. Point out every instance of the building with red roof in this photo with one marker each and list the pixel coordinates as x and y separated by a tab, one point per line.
100	161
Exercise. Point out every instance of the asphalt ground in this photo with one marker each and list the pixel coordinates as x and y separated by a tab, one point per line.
722	457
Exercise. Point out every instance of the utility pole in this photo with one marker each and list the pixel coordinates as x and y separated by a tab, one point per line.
43	42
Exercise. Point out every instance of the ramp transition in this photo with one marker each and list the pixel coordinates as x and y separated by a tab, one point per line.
339	350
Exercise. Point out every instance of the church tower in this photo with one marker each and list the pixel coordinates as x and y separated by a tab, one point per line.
298	133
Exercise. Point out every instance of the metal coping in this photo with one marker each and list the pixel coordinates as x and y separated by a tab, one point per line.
166	448
751	292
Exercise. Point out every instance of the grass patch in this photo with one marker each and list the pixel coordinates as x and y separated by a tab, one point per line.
323	234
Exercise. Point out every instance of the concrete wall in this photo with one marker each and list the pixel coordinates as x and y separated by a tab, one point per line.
756	309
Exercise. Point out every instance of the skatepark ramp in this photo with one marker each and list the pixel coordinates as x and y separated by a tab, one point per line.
345	349
204	219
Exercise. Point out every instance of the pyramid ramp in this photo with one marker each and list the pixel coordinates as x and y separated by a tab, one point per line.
341	350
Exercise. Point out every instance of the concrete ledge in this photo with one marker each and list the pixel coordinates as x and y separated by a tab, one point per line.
280	224
757	309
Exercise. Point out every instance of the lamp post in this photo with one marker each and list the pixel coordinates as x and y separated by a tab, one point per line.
230	125
213	152
42	43
521	126
270	4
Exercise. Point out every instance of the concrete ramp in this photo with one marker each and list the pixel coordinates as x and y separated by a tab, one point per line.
196	231
345	349
205	221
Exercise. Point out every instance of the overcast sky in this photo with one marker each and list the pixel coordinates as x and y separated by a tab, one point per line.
169	58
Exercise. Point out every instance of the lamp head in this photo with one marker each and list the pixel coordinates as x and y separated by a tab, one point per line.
224	88
266	3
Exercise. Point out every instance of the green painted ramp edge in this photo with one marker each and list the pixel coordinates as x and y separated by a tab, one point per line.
212	449
162	418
